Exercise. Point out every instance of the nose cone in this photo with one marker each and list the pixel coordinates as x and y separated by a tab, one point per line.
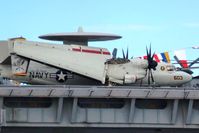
187	77
181	78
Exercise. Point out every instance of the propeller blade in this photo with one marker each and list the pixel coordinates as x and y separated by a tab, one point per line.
127	53
114	53
153	55
147	54
150	50
196	60
154	65
123	54
149	77
152	78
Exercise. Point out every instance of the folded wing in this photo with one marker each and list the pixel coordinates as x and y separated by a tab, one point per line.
78	59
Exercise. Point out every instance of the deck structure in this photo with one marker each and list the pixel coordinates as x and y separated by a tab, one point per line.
99	108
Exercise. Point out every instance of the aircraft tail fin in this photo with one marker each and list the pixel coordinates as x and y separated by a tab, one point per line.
19	65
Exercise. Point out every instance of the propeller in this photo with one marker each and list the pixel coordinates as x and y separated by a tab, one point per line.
115	60
125	58
152	64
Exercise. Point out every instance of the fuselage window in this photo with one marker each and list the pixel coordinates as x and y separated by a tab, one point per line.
27	102
151	103
100	103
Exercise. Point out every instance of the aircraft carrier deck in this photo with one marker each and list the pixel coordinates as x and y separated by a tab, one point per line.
94	109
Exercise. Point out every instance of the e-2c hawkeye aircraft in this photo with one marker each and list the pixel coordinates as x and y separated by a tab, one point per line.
44	63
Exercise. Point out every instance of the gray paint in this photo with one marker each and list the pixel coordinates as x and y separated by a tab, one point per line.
67	115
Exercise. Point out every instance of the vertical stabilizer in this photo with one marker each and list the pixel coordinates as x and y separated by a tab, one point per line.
19	65
4	50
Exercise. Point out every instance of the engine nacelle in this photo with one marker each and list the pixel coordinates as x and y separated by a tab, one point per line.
129	79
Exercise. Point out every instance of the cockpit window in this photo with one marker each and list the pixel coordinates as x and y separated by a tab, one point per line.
170	68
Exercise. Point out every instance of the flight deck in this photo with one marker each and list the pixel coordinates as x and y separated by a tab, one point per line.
97	108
